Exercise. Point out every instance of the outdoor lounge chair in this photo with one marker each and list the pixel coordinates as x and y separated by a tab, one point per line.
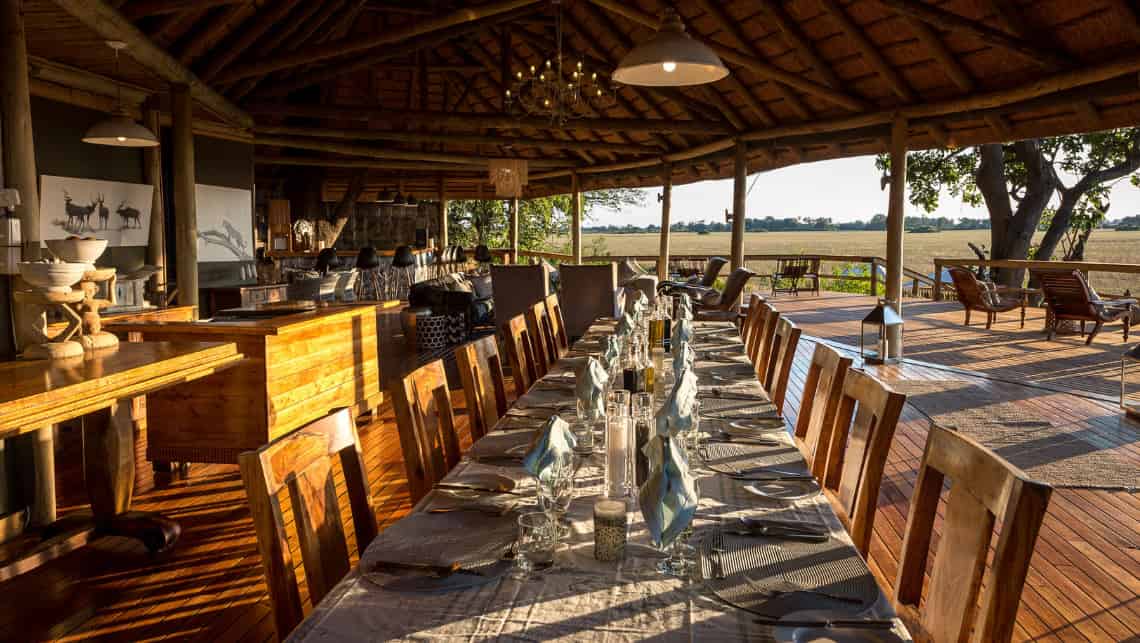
976	295
1069	298
724	305
696	286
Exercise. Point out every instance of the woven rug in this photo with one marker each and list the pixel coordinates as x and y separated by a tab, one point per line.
1047	446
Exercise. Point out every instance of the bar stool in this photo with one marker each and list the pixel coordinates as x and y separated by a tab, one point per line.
367	262
483	257
404	269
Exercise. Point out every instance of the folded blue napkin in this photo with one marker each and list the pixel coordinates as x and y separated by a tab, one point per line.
668	499
682	334
611	350
626	325
553	450
685	307
676	414
591	387
684	358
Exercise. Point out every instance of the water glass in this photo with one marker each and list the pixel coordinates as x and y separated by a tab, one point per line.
617	401
583	431
554	496
535	544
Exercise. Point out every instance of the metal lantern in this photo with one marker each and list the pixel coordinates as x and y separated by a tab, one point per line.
880	322
1130	382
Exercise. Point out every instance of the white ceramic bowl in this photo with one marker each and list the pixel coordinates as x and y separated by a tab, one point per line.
53	277
77	250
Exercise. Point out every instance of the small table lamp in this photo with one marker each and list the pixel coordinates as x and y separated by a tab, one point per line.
879	322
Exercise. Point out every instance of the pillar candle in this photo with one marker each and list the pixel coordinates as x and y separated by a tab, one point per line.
617	456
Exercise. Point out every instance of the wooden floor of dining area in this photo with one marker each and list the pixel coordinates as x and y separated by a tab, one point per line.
1084	582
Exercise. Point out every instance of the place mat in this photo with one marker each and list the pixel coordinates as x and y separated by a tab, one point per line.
773	577
503	443
729	407
724	457
1047	448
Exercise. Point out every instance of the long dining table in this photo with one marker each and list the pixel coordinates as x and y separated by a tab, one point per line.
581	597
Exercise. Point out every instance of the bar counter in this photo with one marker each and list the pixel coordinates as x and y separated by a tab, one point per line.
298	367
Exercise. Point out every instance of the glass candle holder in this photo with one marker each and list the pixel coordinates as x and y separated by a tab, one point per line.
611	525
618	460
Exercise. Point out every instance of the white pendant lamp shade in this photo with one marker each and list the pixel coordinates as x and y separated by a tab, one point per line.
120	131
670	59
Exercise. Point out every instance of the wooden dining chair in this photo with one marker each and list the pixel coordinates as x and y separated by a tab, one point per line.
757	321
861	437
823	390
764	339
557	325
426	426
984	490
748	322
538	325
302	462
785	341
484	386
520	353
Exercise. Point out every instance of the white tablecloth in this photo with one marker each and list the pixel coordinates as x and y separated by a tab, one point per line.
580	598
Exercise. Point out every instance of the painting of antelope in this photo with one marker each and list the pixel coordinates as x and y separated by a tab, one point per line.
116	211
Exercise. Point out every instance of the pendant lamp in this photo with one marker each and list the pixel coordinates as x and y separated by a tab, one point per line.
120	130
671	58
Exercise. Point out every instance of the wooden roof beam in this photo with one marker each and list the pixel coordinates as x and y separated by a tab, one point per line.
949	21
349	149
208	37
143	8
954	70
310	161
759	67
792	34
457	139
869	51
348	46
261	23
335	70
111	25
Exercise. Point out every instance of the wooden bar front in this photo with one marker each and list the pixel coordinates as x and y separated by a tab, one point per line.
298	367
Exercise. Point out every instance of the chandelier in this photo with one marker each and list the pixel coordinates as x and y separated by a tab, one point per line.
557	89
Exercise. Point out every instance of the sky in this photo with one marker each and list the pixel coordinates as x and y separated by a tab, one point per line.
842	189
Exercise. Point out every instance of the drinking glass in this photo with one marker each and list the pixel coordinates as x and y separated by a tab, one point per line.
617	401
535	544
554	496
679	561
618	460
583	431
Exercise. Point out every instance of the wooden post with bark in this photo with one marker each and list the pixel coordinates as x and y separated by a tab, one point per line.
185	204
15	104
895	221
666	204
576	217
513	231
739	197
152	172
444	241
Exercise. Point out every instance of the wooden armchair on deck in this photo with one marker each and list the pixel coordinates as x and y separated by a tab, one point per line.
794	270
1069	298
975	295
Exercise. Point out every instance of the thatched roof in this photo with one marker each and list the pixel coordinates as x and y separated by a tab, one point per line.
414	89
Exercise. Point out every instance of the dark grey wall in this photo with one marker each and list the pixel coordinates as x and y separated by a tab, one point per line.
60	151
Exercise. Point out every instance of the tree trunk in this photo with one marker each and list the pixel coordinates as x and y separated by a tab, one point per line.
330	232
1012	230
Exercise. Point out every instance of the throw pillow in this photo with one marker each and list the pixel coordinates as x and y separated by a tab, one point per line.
482	286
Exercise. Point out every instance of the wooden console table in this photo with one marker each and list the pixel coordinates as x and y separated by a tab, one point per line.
108	392
299	367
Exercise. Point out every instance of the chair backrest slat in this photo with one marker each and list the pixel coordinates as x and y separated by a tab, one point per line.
541	336
823	391
786	339
748	325
861	438
557	324
520	353
765	341
984	490
484	386
759	335
302	463
426	425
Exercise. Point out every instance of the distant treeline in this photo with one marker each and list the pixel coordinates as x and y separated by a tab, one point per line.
804	224
1131	223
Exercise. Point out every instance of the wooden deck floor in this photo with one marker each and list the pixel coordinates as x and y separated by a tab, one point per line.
1084	583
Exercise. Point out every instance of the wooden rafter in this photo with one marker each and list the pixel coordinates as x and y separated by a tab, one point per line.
111	25
337	147
869	51
207	38
790	30
261	24
336	70
349	46
142	8
949	21
457	139
489	121
757	66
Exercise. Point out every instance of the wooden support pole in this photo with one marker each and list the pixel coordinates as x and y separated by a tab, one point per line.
895	220
513	232
937	294
739	194
443	203
576	217
185	206
15	103
152	171
666	204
